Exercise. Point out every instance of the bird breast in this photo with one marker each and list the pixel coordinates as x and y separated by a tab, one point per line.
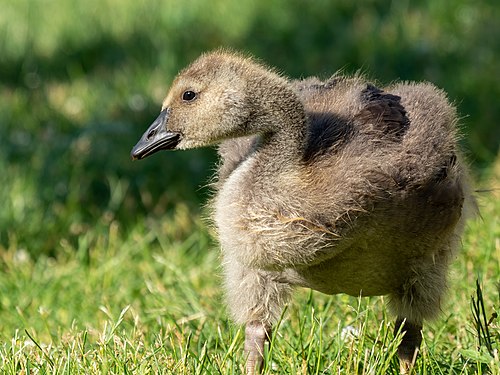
262	227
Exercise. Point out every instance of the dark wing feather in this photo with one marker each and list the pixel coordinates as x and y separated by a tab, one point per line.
383	114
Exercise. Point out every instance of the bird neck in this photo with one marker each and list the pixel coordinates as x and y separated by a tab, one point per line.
279	116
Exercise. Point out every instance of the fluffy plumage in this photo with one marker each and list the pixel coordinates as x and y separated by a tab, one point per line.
334	185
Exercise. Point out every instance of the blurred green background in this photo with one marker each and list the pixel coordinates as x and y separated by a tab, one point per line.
81	80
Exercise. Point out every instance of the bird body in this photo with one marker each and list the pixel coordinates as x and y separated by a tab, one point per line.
334	185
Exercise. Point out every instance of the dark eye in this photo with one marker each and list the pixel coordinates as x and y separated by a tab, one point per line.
188	95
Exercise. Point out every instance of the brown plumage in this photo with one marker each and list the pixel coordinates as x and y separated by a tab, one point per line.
334	185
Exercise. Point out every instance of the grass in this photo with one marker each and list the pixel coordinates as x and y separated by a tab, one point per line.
106	266
141	301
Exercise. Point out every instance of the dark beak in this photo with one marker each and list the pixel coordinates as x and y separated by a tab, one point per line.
156	138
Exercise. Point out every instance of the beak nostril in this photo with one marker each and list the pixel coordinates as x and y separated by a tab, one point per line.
151	133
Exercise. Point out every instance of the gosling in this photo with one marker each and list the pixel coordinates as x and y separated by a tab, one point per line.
336	185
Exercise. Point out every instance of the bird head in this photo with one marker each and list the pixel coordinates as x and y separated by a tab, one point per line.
208	102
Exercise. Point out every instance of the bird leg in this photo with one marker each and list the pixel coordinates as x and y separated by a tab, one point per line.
256	334
408	349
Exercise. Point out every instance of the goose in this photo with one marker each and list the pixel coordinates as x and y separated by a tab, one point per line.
334	185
